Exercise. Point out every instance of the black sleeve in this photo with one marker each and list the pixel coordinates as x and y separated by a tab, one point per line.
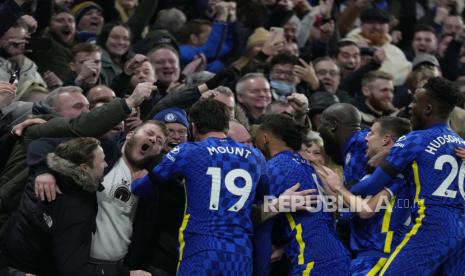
37	151
120	84
353	82
9	13
72	238
109	11
143	240
450	61
7	142
184	98
43	14
141	17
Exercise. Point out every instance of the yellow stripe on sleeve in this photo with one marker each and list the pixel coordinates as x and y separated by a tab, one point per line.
182	243
418	221
377	267
298	237
185	220
385	226
308	269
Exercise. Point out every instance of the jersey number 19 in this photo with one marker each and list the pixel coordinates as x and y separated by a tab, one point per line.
229	181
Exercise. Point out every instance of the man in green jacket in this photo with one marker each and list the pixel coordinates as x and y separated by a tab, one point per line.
72	119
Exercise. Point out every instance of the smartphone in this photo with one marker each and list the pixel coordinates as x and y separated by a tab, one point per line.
14	77
277	35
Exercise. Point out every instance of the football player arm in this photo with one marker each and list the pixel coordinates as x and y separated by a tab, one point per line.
162	171
365	208
144	186
290	200
376	182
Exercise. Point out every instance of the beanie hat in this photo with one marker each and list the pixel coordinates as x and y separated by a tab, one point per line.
172	115
374	14
259	37
80	9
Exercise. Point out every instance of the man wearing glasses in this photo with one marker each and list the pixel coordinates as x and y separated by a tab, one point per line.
175	120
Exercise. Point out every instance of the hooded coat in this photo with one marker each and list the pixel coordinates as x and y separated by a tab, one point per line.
54	238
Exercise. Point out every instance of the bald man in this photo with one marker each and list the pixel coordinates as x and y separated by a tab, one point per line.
100	94
239	133
344	140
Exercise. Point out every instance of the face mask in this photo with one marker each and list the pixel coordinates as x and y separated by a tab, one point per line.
282	88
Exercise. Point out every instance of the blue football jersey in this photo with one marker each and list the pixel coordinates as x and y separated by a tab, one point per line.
438	174
380	234
222	177
312	239
354	158
438	233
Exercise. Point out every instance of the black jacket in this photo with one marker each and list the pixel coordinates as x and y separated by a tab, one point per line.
54	238
141	249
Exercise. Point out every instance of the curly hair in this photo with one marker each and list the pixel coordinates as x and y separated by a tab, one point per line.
445	93
284	128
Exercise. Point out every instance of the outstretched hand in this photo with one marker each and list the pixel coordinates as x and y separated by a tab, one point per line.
332	182
299	200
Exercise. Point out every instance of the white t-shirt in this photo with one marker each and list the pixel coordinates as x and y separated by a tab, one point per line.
116	212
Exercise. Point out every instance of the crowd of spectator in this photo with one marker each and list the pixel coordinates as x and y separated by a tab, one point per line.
126	72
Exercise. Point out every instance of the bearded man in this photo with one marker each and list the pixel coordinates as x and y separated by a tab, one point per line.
374	33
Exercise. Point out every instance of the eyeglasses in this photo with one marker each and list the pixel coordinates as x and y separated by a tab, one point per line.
179	132
332	73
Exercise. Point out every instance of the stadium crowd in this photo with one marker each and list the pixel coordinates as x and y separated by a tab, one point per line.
156	137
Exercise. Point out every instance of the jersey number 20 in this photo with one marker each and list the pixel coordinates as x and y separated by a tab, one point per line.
443	189
229	181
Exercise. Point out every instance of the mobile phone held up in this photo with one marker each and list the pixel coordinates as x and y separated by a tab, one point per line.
14	77
277	35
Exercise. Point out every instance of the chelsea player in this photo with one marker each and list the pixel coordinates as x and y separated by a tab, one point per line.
437	238
375	233
223	178
344	140
313	246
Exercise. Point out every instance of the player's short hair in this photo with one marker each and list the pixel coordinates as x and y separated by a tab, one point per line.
209	115
445	94
394	126
284	128
374	75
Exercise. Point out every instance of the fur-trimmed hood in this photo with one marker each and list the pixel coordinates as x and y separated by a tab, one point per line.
69	169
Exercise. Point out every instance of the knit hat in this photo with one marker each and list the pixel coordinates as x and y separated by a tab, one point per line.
259	37
172	115
374	14
80	9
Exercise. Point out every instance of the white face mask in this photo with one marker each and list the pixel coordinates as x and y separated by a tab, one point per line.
282	88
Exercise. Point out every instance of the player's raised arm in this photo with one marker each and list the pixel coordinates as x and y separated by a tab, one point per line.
292	200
